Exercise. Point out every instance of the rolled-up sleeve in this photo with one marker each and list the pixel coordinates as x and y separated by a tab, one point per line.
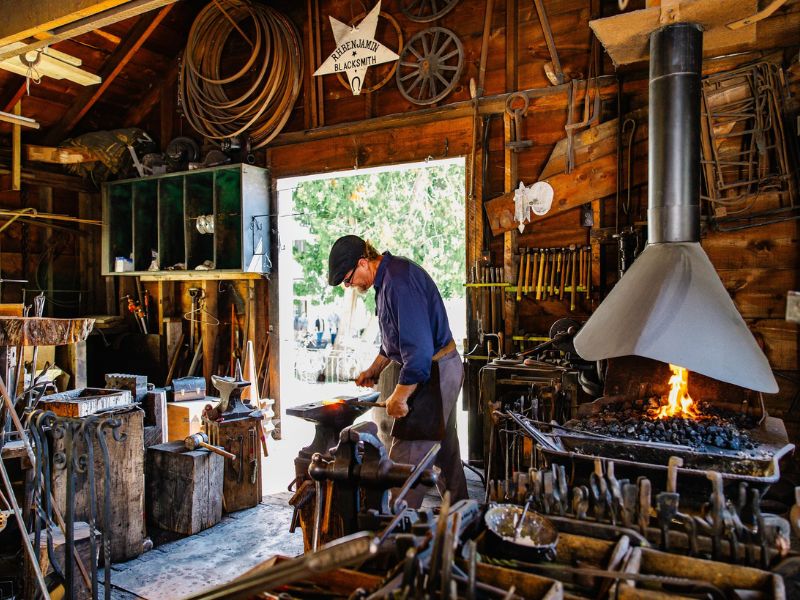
414	332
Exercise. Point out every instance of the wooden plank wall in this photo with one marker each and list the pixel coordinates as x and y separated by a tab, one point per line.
65	257
758	266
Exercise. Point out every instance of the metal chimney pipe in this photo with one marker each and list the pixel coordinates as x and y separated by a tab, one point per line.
676	59
671	305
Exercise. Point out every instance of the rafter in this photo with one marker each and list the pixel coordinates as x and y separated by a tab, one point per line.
87	98
58	20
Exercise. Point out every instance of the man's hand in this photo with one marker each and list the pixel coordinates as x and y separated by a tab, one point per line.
397	403
396	406
367	379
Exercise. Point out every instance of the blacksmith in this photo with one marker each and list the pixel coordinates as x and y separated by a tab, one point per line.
415	333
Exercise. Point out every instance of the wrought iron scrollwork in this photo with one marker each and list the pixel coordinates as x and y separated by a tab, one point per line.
67	445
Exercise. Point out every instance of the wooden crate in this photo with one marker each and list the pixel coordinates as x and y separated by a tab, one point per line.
185	418
85	401
184	488
746	581
242	488
127	527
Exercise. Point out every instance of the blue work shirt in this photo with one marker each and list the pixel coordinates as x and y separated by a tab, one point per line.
411	317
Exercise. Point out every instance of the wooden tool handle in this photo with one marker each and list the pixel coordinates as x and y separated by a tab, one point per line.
217	450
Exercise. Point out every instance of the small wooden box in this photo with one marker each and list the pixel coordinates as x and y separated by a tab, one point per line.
184	488
186	418
85	401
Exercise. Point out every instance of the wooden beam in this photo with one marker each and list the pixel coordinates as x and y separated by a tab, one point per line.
113	67
46	33
61	156
52	63
16	150
17	119
57	180
16	97
142	108
540	98
44	15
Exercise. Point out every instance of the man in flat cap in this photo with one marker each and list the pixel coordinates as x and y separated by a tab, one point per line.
415	333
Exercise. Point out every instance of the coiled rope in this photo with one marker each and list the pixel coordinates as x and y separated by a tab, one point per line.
258	98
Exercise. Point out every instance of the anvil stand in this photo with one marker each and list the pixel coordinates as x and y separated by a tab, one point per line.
236	426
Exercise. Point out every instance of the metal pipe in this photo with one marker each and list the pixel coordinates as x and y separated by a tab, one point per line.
676	58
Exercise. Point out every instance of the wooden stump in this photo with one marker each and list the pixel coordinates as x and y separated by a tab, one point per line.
184	488
242	488
127	527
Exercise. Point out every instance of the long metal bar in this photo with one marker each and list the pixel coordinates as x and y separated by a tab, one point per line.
26	543
548	38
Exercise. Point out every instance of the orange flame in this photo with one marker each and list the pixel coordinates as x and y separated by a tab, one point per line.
679	402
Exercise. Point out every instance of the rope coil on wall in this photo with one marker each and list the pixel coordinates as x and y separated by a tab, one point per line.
258	98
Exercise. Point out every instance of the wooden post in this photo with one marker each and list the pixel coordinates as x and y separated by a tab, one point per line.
509	237
46	205
72	359
16	151
89	250
209	332
510	161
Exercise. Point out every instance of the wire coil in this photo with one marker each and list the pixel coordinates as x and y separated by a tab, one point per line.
258	98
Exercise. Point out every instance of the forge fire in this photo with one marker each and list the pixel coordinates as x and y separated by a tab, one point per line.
673	419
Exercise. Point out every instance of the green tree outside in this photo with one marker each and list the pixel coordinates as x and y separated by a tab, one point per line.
417	213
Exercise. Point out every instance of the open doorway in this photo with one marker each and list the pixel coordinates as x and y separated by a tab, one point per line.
328	335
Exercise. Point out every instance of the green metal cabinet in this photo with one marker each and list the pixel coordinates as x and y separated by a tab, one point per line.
170	217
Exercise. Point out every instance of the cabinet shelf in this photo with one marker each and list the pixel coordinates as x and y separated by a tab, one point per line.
217	215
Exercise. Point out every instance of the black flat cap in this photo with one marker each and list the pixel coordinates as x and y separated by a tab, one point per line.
344	255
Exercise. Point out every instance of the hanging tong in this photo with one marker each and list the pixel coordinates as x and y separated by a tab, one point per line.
590	115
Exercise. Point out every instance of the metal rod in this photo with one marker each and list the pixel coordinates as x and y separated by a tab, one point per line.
26	543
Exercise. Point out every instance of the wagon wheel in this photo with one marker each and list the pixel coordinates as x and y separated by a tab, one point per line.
430	65
390	67
425	11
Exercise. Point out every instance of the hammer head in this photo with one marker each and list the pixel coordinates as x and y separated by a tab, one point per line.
193	441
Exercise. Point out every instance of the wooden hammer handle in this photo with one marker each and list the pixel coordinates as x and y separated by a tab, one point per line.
217	450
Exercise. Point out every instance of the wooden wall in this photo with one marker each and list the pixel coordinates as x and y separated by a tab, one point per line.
757	266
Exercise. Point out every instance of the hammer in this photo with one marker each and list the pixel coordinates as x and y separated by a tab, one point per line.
200	440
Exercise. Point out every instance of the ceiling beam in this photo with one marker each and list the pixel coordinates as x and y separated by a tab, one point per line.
143	106
45	15
16	97
121	56
39	31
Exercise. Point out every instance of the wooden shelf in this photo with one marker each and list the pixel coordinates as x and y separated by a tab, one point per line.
216	216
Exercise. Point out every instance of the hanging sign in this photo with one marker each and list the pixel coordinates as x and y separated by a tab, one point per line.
356	50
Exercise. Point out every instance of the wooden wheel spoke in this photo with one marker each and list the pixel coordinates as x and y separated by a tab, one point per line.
449	55
414	83
421	88
446	43
430	79
425	11
425	49
442	79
